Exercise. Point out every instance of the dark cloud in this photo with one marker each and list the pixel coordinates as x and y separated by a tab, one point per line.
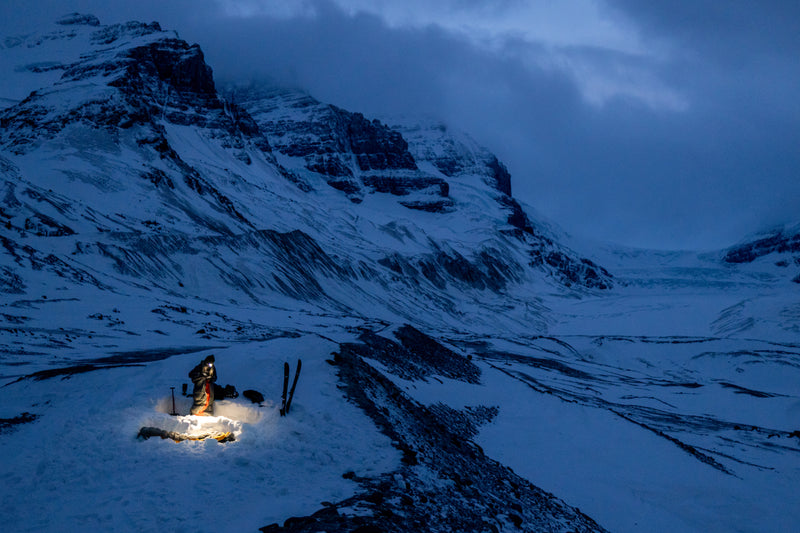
693	145
737	65
730	32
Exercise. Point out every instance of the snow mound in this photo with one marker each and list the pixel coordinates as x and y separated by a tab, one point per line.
229	417
195	426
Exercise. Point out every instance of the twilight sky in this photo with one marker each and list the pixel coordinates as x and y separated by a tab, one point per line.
656	124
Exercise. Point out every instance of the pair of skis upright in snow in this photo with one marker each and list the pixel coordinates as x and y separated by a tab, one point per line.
288	394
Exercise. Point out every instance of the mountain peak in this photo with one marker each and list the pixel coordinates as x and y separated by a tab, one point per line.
78	19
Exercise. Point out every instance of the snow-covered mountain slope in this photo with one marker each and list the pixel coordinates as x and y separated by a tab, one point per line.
424	167
779	247
134	162
466	366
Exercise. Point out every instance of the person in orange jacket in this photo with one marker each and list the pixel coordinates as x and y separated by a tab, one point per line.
203	377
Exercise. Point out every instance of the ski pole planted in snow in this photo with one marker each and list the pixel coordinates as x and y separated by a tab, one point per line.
288	394
285	388
294	384
174	412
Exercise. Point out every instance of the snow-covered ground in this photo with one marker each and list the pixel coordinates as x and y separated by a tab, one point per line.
81	466
610	423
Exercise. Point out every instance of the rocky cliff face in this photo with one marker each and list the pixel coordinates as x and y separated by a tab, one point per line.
125	75
780	242
346	150
466	164
127	86
419	162
783	245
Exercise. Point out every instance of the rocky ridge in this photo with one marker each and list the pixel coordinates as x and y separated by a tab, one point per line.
472	492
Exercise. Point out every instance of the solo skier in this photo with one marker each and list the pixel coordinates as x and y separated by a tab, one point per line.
203	376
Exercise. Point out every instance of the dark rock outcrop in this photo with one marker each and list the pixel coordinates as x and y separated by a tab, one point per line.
779	242
160	78
77	19
572	271
346	150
